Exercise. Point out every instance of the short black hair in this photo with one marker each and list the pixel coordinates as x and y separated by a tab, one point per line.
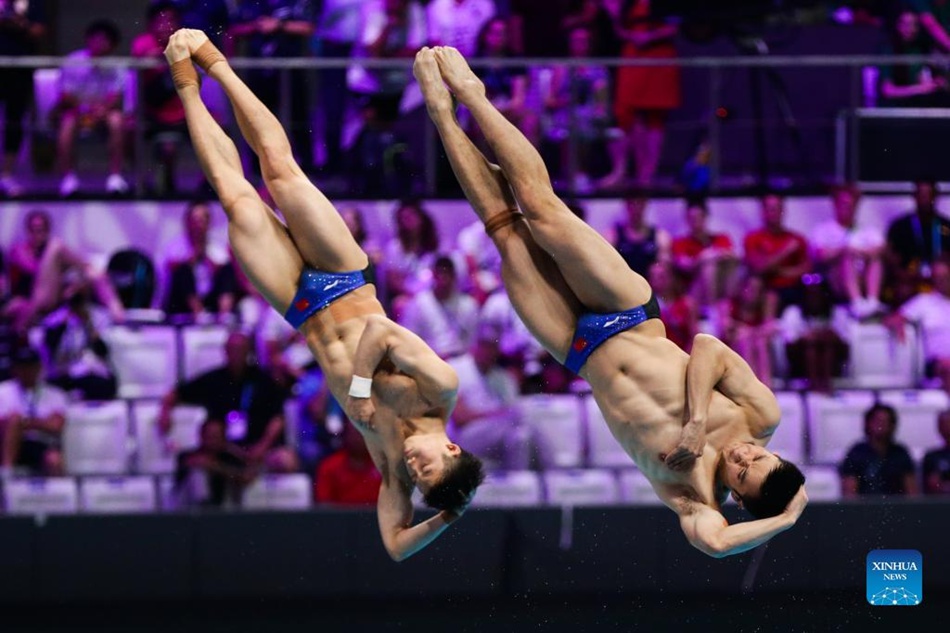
880	406
105	27
454	490
778	488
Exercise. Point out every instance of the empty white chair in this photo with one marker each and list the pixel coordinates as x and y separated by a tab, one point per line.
202	349
96	438
51	495
789	437
556	423
917	412
581	487
822	483
836	422
636	489
107	495
879	361
156	453
509	489
279	492
605	451
145	360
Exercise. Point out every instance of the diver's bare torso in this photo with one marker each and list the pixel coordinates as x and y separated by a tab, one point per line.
638	379
332	336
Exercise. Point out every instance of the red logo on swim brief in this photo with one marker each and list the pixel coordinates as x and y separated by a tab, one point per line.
302	304
580	344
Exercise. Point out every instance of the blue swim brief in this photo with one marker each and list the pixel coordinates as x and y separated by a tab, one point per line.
594	329
318	289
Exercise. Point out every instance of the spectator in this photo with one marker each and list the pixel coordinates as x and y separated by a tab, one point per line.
443	317
934	17
748	324
777	254
815	341
32	417
577	107
356	223
215	473
246	400
849	257
486	417
78	356
278	29
43	270
936	465
638	242
517	347
878	465
458	23
646	94
164	112
195	239
678	311
597	17
537	27
481	262
929	311
320	419
409	255
90	97
707	261
915	84
915	241
348	476
22	27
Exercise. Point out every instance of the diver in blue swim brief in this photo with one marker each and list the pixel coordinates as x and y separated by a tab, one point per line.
317	289
593	330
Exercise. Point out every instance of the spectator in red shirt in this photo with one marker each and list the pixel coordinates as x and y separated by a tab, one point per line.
779	255
348	476
706	261
677	309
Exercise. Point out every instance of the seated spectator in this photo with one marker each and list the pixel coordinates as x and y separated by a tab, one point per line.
409	254
91	97
936	465
164	112
679	312
43	270
215	473
518	349
356	223
706	261
486	418
815	342
348	477
443	317
929	311
578	116
911	85
78	357
320	419
639	242
246	400
598	18
850	257
878	465
457	23
748	324
777	254
915	240
32	417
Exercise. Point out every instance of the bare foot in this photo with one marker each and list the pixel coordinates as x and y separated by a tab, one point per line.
193	38
177	47
458	75
426	70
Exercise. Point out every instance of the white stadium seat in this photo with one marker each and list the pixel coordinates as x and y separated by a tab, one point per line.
557	425
789	438
581	487
605	451
145	359
106	495
47	495
202	349
822	483
917	412
279	492
879	361
636	489
836	422
96	438
155	453
509	489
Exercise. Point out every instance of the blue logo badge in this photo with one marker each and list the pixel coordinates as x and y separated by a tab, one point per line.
895	578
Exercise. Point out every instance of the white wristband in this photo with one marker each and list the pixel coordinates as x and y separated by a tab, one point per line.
361	387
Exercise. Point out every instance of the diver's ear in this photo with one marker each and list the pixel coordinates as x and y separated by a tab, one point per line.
737	498
454	449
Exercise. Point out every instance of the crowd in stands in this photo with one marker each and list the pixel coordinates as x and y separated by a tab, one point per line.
602	127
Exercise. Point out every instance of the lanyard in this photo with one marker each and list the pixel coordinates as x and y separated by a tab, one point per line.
247	394
936	243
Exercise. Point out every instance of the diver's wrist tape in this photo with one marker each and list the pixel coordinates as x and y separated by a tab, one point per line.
361	387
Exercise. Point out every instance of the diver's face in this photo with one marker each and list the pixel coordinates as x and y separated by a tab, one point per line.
426	458
745	467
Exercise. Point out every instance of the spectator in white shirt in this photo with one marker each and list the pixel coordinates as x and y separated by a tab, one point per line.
32	417
457	22
443	317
